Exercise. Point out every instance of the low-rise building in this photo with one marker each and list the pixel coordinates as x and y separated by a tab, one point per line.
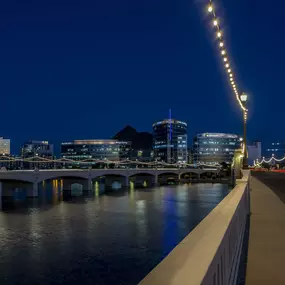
110	150
212	148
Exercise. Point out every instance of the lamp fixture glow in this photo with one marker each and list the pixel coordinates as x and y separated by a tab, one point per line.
229	70
243	97
225	59
210	8
221	44
215	22
227	65
219	34
223	52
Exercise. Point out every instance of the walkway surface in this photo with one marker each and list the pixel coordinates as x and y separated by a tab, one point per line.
266	253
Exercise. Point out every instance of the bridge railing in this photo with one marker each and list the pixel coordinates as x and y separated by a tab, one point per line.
210	254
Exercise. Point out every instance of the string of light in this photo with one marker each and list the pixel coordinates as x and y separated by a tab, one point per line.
219	35
38	159
257	163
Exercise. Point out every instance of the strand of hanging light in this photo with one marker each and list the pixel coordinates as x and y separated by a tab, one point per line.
38	159
224	53
258	163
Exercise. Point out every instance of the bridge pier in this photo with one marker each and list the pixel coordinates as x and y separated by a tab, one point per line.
35	192
126	182
89	184
156	180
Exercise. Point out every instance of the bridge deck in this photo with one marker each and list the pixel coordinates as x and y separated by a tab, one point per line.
266	254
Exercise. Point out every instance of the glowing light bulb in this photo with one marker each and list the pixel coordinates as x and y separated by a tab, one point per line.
225	59
223	52
227	65
219	34
229	70
221	44
231	75
210	8
215	22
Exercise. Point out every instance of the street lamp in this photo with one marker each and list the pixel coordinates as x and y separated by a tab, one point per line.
243	99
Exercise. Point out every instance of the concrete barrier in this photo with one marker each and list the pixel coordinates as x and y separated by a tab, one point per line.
210	254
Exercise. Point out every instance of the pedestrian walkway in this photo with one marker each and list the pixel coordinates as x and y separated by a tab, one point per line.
266	253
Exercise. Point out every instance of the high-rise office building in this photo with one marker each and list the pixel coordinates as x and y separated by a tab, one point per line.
96	149
170	141
212	148
4	146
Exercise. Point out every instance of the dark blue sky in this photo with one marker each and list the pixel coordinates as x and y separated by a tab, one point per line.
84	69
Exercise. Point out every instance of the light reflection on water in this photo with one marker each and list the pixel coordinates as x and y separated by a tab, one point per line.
112	238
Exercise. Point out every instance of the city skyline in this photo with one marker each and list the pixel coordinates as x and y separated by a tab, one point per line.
16	147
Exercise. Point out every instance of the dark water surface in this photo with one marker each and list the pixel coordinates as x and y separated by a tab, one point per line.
114	238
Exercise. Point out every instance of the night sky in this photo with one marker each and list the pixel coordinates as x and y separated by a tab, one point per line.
85	69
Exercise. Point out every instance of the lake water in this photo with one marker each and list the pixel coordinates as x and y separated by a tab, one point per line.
111	238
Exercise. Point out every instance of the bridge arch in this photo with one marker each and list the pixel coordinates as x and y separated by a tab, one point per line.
190	171
61	176
111	180
142	179
107	174
142	174
169	173
20	179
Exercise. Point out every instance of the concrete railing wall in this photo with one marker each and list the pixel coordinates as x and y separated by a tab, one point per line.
210	254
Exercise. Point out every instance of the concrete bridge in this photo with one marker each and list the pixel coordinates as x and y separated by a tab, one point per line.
87	176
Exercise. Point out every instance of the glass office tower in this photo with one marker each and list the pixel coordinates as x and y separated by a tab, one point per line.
170	141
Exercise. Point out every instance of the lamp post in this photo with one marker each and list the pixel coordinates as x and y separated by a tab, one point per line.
243	98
